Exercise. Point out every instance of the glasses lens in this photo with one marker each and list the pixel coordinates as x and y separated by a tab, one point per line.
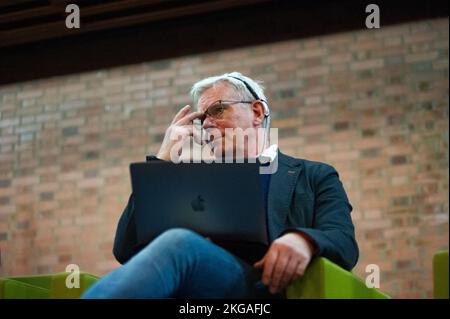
215	110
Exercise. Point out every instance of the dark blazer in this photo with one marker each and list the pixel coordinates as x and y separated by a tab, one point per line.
304	196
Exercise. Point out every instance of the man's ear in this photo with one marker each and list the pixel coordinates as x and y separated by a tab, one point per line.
258	113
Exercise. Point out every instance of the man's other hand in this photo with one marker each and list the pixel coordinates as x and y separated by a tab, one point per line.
286	260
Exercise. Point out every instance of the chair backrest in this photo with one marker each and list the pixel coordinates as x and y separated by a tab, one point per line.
440	275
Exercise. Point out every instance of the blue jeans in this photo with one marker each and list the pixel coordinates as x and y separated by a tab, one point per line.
181	264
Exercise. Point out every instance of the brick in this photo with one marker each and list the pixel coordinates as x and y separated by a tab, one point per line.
5	183
340	58
309	53
338	97
73	87
404	190
47	196
422	66
310	100
4	200
9	122
370	152
317	148
24	95
314	129
70	131
374	214
369	64
370	143
399	180
72	105
375	224
313	71
289	122
399	160
419	37
341	126
425	56
399	89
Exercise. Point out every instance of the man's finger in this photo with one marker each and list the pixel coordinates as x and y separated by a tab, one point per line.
300	271
187	119
259	263
181	113
290	274
278	272
269	264
181	132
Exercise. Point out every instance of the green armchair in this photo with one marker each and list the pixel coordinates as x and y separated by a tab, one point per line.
440	275
44	286
323	279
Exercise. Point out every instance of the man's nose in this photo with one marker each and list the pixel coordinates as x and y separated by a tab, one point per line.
208	123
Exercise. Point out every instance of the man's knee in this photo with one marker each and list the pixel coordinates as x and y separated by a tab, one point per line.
178	235
180	239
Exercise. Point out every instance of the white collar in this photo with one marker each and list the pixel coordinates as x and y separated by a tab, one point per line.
269	154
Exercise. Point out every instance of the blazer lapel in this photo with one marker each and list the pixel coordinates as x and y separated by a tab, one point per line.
281	188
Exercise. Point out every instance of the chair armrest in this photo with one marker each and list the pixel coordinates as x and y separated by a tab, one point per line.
59	289
440	275
51	286
324	279
14	289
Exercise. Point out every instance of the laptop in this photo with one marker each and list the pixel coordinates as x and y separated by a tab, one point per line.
221	201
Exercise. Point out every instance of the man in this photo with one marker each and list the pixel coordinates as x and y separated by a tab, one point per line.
308	215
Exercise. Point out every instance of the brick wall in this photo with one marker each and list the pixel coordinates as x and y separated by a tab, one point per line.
373	103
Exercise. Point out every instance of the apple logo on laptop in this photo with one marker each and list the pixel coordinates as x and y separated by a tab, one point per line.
198	204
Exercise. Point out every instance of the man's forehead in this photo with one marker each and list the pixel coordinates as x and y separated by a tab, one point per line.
219	91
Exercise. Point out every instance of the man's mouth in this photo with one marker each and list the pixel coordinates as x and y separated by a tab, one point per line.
215	142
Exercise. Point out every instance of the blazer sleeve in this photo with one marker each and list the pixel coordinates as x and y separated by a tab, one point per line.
333	232
125	242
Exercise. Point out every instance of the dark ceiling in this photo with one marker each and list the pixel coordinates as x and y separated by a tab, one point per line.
25	21
35	43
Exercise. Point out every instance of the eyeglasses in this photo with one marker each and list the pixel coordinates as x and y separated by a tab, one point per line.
215	110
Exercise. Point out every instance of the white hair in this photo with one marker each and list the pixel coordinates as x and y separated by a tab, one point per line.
239	87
